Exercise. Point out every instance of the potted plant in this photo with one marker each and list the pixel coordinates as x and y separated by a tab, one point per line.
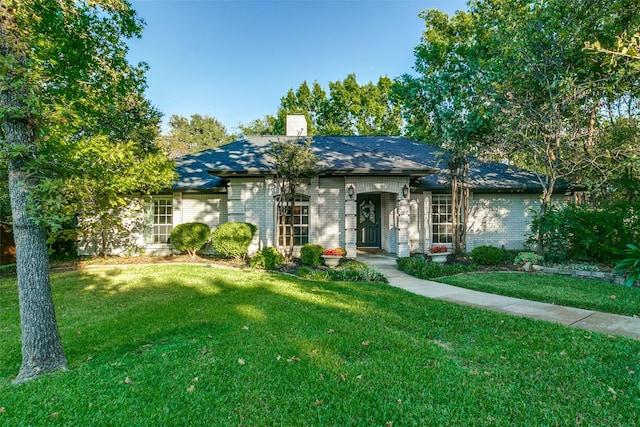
332	257
439	253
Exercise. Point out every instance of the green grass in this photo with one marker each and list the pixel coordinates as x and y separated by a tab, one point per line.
188	345
589	294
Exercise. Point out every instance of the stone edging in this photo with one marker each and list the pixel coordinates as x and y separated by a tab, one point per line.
598	275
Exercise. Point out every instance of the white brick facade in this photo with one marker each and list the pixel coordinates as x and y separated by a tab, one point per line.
500	220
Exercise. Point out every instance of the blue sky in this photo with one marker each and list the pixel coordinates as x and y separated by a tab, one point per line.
235	59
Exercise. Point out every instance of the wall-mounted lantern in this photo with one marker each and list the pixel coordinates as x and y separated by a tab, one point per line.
405	191
351	190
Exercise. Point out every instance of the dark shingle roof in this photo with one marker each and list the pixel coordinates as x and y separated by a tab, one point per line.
351	155
192	174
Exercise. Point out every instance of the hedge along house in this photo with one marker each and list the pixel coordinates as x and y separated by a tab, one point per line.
374	192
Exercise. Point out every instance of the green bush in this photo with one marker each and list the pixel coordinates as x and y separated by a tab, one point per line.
582	233
267	258
356	271
351	271
311	254
232	239
630	266
532	257
423	269
190	237
487	255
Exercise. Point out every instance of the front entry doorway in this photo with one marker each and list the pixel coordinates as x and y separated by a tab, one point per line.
369	221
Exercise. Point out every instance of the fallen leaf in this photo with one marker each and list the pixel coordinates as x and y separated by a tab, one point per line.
53	415
318	402
195	379
279	358
330	331
365	343
209	336
359	377
203	351
164	355
293	359
191	389
389	424
613	392
2	409
241	362
127	380
613	297
246	328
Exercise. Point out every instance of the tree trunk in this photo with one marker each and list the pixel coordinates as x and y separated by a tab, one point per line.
41	347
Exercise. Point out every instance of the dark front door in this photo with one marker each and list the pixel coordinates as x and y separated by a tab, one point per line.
369	220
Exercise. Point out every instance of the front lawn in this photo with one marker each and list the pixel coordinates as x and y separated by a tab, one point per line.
177	345
589	294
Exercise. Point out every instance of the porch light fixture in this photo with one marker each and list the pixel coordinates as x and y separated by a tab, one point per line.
351	190
405	191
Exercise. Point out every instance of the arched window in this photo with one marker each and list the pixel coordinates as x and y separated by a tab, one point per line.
300	217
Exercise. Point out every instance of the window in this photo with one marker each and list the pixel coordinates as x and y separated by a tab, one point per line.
441	219
300	220
162	220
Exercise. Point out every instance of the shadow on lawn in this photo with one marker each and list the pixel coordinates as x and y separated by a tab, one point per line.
114	311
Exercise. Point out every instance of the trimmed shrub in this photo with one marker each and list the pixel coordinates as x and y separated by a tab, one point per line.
487	255
267	258
190	237
232	239
311	254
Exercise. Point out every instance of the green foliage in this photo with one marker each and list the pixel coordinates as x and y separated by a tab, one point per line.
232	239
351	271
182	329
190	135
532	257
630	266
311	254
583	233
295	163
487	255
356	271
423	269
349	109
190	237
267	258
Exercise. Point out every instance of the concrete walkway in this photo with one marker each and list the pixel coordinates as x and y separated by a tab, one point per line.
613	324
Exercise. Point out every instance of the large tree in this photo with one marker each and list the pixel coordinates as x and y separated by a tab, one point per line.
190	135
448	102
64	77
348	109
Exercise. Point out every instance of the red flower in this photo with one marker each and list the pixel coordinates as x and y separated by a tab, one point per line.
335	252
438	249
